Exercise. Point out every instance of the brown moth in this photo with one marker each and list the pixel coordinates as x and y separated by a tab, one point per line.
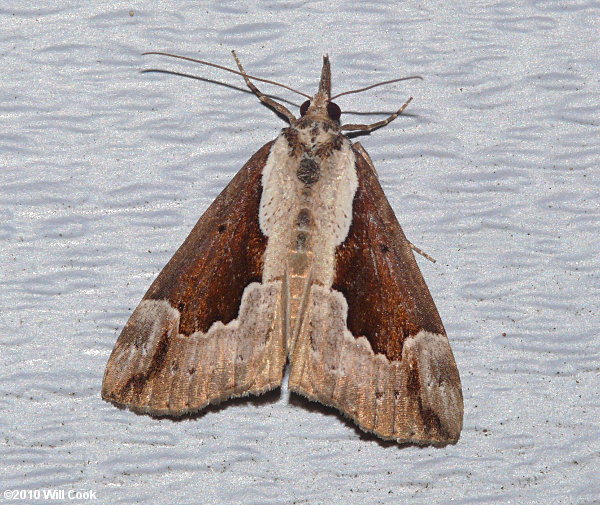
299	259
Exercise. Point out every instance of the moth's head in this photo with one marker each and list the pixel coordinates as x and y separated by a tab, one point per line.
320	106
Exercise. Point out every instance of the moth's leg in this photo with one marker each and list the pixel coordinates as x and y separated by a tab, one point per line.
261	96
379	124
421	252
358	146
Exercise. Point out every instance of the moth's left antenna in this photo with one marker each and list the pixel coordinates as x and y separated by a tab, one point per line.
243	74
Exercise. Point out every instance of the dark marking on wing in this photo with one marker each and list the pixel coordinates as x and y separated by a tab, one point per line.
308	171
136	384
432	424
304	219
295	147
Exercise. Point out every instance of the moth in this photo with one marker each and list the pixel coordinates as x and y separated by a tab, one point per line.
300	259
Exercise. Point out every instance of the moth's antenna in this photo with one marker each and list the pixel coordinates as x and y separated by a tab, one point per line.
229	70
378	84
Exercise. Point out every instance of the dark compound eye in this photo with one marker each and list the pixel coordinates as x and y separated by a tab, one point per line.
333	111
304	107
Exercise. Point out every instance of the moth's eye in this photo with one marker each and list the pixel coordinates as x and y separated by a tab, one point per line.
304	107
333	111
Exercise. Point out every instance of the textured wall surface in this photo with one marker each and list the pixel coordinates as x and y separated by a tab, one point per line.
493	170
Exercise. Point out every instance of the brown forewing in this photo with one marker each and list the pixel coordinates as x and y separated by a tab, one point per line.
378	275
157	366
413	396
224	252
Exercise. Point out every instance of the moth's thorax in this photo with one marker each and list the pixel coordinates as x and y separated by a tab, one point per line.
314	130
308	182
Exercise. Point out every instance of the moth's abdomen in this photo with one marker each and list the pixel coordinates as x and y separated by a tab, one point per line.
299	263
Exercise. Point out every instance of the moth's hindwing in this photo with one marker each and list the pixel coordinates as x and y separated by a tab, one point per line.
373	345
207	329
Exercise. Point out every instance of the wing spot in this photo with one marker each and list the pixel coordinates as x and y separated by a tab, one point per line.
384	248
222	228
